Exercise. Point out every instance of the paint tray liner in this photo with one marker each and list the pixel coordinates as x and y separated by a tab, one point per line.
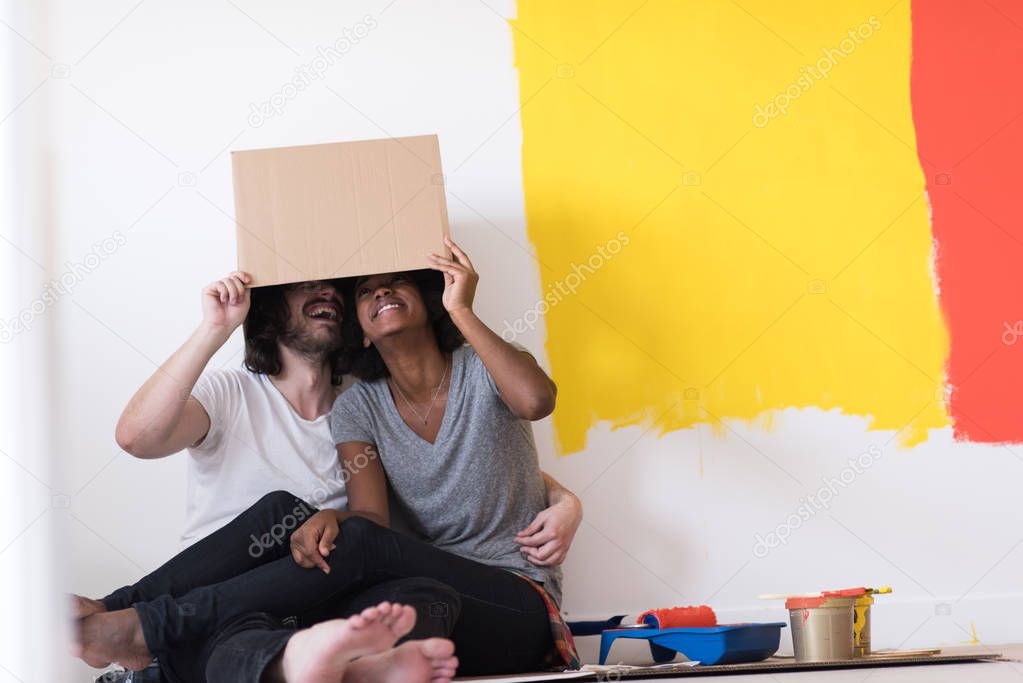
725	644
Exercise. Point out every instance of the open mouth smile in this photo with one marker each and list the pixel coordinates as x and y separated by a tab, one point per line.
323	310
386	306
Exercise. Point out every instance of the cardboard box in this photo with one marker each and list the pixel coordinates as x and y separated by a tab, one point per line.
318	212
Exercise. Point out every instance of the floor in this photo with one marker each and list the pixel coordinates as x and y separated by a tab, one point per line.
993	672
988	672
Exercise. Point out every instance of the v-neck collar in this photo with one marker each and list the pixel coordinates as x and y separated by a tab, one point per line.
456	380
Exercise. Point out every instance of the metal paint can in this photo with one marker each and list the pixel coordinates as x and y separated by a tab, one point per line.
822	628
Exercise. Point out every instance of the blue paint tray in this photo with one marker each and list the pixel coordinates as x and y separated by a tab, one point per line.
727	644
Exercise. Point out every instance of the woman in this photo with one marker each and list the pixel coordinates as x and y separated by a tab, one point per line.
449	424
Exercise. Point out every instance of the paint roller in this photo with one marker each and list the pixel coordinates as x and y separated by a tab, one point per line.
679	617
667	617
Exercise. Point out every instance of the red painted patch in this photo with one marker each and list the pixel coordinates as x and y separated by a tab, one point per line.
967	96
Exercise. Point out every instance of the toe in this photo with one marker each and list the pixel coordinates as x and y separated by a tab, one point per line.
389	613
372	613
437	648
404	620
448	671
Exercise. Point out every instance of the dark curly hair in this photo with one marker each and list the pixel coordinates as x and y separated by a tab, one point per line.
366	363
267	322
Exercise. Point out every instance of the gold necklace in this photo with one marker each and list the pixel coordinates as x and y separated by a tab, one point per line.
436	392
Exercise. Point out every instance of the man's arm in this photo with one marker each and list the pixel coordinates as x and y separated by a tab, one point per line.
162	417
547	540
557	493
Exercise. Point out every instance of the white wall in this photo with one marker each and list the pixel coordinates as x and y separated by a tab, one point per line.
146	100
31	508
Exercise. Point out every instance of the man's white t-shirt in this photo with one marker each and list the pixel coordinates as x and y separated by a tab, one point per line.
257	443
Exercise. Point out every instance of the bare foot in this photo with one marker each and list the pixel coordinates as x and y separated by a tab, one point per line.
320	654
82	607
106	637
415	661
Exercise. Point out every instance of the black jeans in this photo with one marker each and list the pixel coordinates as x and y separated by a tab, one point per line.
242	650
259	535
502	625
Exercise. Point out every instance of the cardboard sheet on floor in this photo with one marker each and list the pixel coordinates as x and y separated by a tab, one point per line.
772	665
531	678
318	212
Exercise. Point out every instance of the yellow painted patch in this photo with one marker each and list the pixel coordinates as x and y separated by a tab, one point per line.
974	640
699	268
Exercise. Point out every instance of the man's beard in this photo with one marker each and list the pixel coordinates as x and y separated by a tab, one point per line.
308	343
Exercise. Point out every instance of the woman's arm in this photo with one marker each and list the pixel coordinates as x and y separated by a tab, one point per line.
367	497
367	483
524	387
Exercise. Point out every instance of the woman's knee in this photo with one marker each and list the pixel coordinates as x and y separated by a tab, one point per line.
360	527
361	540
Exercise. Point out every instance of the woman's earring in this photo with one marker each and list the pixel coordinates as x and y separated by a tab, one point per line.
365	343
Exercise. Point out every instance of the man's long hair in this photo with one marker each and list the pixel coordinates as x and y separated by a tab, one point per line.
267	323
366	363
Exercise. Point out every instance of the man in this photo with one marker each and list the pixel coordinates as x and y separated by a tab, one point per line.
265	428
253	430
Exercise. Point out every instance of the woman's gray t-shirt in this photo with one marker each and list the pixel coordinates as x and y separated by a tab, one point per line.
476	486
